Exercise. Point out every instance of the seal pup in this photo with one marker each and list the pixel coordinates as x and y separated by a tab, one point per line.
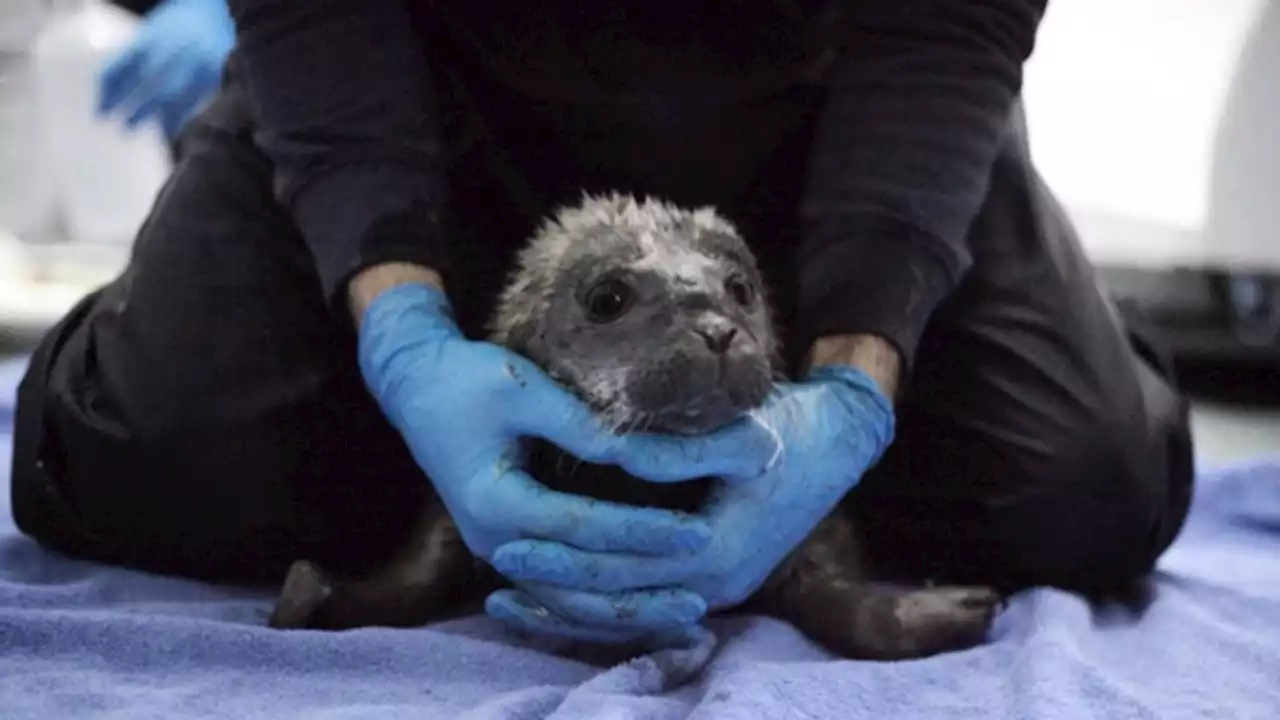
657	317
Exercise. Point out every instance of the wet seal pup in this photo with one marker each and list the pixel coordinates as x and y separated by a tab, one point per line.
657	317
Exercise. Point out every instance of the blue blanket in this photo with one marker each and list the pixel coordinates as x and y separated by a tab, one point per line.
82	642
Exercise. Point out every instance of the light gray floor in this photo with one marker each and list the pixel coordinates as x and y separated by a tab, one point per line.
1225	434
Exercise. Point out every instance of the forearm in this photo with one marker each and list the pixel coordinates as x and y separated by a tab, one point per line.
872	354
919	98
345	108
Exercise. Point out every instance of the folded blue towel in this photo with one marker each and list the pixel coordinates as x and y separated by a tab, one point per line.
81	642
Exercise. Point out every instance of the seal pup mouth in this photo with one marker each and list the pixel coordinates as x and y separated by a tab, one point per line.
725	391
694	420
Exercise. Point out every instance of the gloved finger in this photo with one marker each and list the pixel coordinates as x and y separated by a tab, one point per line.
149	76
741	451
119	78
172	120
556	565
648	610
150	107
514	500
166	78
184	102
518	610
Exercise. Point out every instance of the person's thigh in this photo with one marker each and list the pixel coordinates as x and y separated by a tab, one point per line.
1041	439
203	414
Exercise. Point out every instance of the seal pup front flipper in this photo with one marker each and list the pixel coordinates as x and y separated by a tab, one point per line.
431	578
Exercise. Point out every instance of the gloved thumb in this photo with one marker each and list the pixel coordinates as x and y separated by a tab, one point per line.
540	407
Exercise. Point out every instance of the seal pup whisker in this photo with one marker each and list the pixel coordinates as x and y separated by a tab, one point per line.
760	420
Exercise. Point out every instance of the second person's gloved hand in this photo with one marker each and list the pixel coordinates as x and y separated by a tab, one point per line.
462	407
173	64
826	431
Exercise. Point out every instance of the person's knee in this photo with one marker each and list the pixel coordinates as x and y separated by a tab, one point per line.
1109	498
39	503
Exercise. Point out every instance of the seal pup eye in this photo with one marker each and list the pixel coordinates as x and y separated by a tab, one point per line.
740	290
608	299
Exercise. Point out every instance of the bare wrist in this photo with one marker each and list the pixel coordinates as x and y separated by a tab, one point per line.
870	353
371	282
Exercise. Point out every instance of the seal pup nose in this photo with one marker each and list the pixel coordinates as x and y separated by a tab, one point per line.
718	339
716	331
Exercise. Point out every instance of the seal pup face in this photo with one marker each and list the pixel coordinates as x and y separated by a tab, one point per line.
656	315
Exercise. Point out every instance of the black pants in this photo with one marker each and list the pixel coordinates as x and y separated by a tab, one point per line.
203	414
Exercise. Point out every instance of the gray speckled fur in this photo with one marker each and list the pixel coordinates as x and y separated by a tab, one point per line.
680	261
652	367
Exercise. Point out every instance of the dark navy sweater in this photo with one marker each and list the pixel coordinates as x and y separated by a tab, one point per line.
919	93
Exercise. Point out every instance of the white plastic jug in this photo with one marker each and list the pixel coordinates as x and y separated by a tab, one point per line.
106	176
27	208
26	197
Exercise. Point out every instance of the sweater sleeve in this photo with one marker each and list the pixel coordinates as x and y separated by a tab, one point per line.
920	92
344	107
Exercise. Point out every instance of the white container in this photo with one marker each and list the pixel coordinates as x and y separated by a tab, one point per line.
20	20
106	177
27	208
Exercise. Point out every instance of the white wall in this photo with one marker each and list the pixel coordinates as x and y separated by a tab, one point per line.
1124	100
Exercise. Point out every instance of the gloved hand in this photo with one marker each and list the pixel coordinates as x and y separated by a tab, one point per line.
462	407
172	65
826	432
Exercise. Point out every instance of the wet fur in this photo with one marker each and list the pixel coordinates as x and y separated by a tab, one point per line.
822	589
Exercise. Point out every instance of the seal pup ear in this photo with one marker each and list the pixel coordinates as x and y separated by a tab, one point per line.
517	320
519	316
519	334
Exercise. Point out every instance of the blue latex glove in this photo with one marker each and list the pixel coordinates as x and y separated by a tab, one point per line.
462	407
832	427
173	64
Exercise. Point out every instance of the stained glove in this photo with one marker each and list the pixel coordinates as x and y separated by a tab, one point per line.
826	432
463	406
173	64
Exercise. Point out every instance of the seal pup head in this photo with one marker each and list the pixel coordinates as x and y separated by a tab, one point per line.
656	315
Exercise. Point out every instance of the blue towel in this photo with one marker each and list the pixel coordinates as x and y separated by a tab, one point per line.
81	642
